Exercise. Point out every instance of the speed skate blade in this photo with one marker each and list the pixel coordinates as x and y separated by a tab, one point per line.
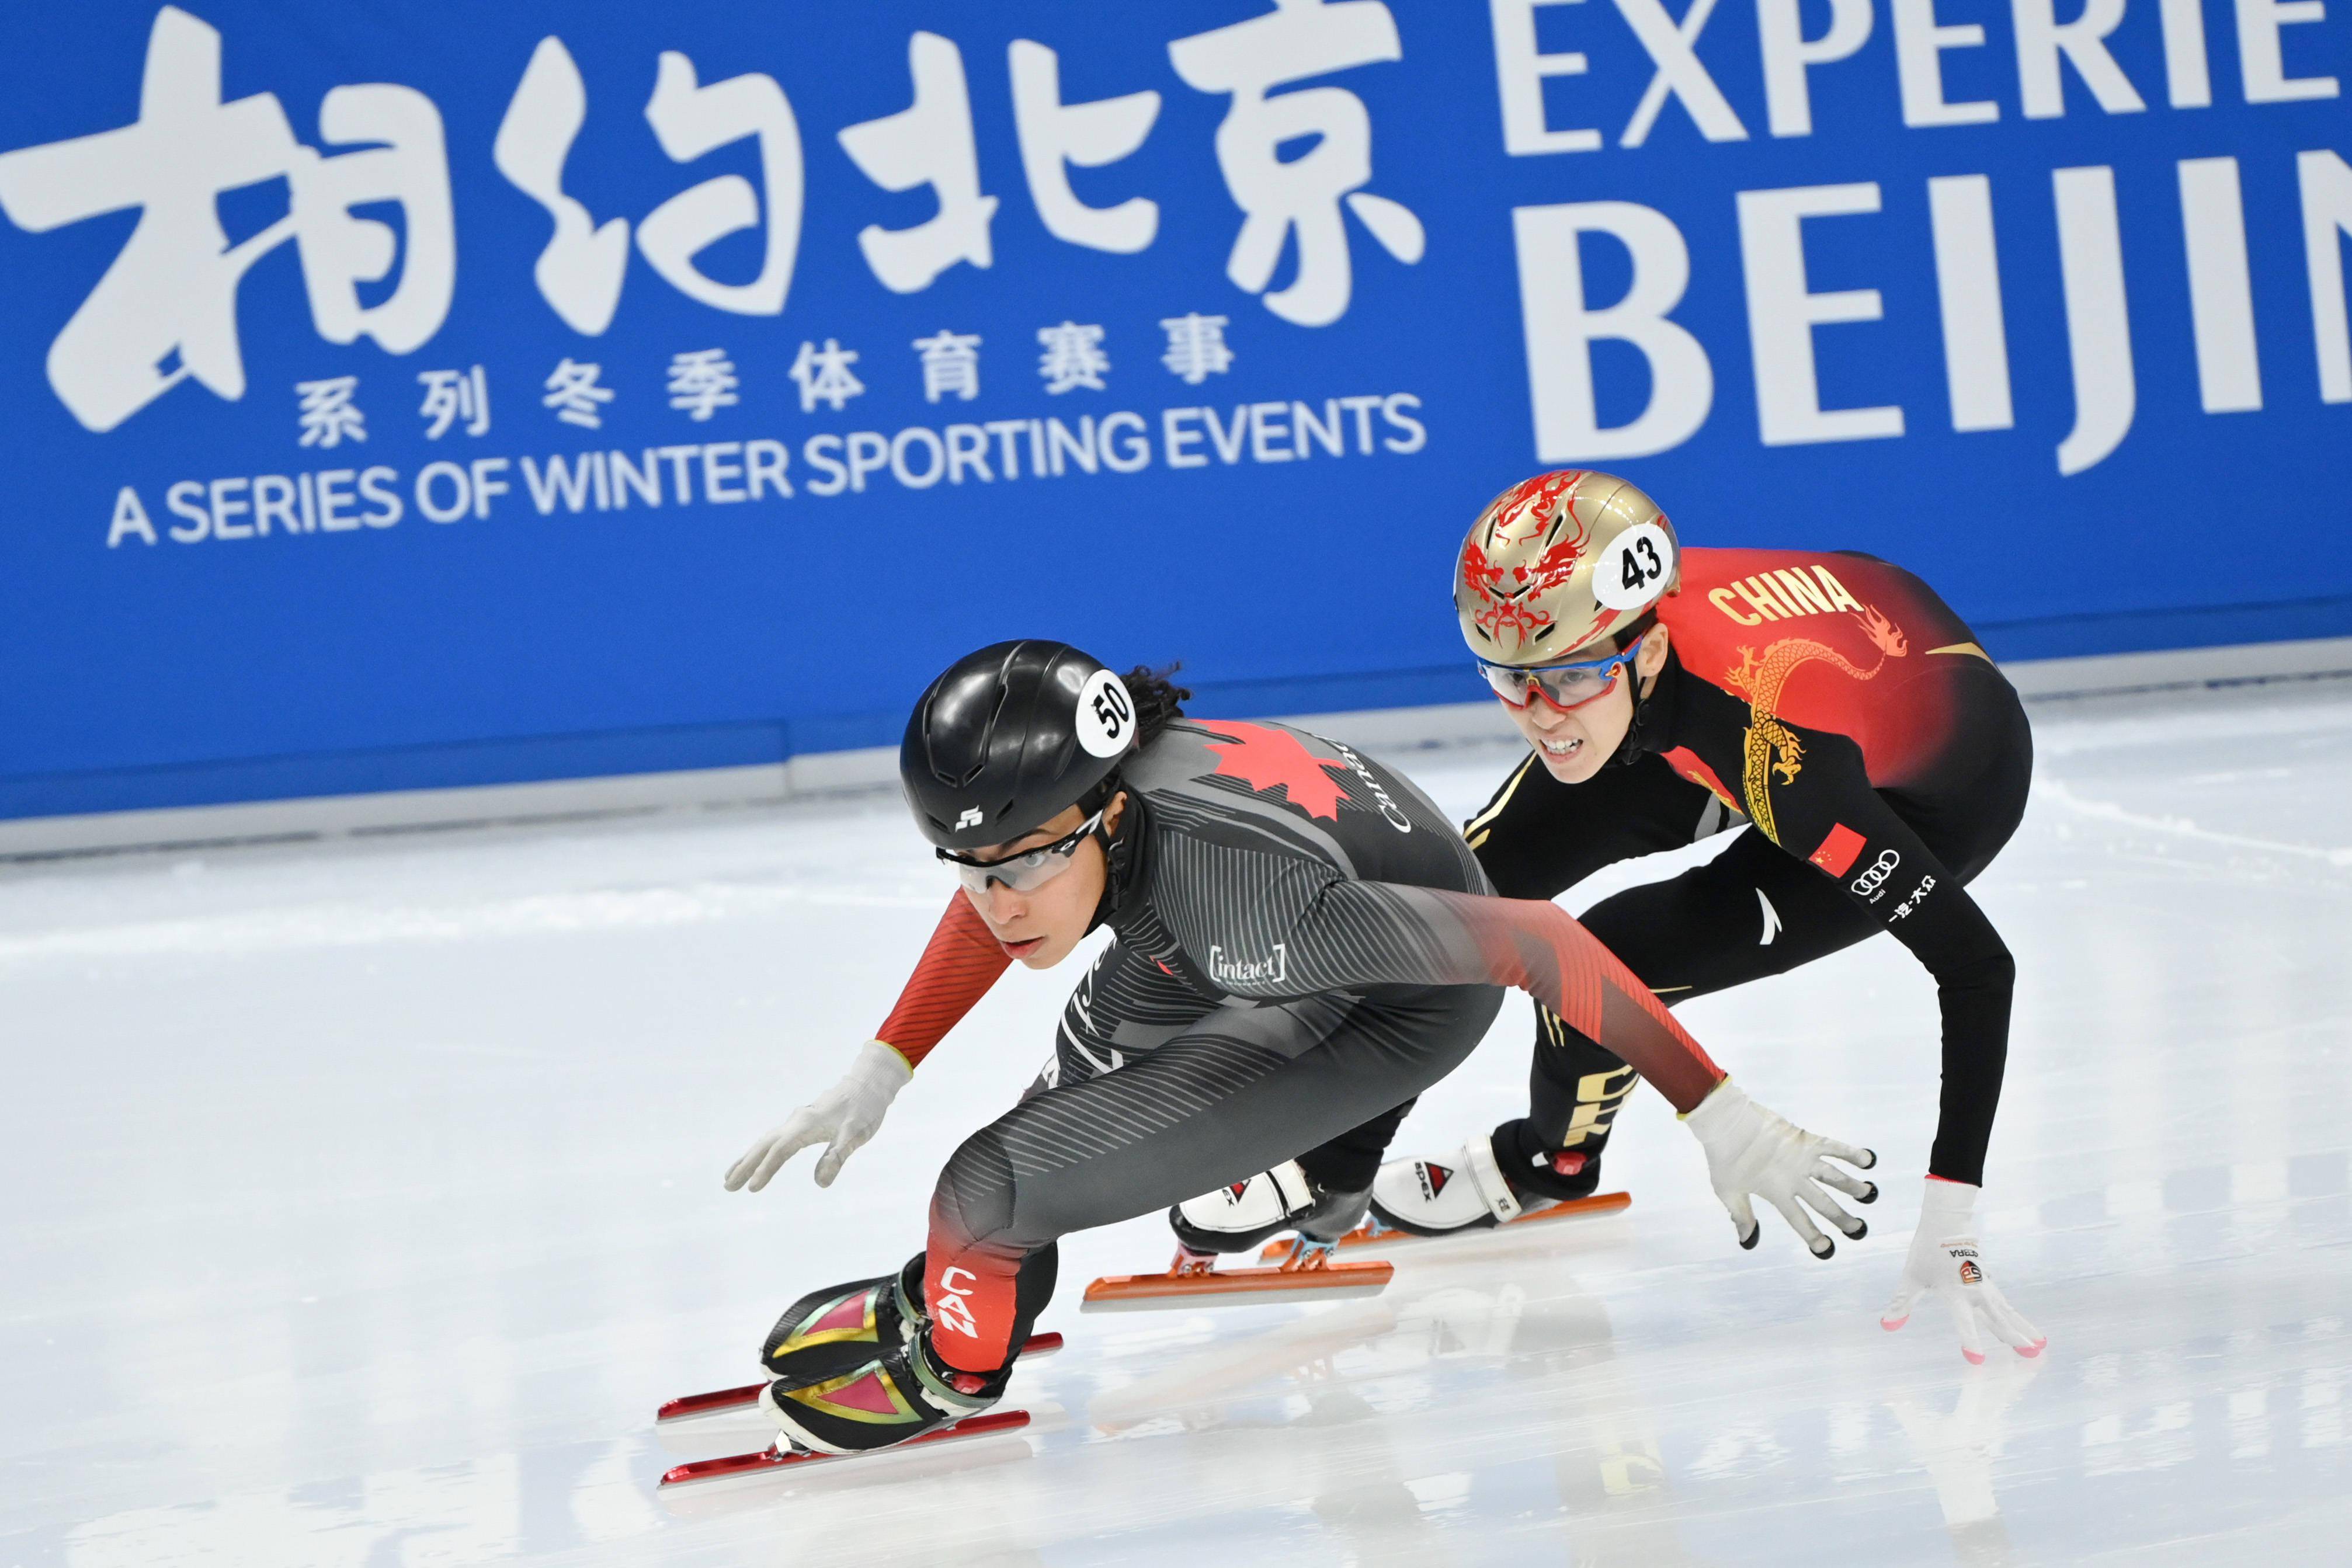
1371	1234
693	1408
1236	1287
704	1473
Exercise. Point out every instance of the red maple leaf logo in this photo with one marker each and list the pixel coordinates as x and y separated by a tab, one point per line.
1267	758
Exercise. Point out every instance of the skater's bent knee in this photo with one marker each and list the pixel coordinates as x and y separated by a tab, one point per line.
974	1198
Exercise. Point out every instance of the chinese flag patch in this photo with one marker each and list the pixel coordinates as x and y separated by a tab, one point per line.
1837	852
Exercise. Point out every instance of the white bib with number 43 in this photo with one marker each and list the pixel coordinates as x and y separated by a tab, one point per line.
1634	567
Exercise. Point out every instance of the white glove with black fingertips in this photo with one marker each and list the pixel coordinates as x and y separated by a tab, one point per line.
1945	1263
1750	1152
842	1118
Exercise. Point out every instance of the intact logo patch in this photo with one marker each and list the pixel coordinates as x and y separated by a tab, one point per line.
1837	853
1434	1178
1234	1190
1970	1274
1238	971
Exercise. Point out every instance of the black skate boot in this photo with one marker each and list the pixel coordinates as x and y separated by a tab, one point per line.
1237	1217
906	1392
830	1332
1541	1173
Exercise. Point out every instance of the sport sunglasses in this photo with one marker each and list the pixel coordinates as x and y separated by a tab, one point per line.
1564	685
1029	870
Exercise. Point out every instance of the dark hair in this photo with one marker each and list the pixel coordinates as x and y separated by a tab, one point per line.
1158	700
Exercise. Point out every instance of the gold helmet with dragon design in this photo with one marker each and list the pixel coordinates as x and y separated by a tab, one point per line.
1557	561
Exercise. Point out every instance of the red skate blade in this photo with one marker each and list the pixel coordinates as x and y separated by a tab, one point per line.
1236	1287
768	1461
1592	1207
721	1401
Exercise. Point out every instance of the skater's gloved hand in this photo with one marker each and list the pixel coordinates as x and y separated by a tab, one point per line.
1945	1263
1751	1152
842	1118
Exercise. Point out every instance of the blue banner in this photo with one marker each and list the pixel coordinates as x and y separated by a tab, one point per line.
426	394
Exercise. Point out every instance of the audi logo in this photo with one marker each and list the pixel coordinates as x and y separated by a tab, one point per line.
1873	875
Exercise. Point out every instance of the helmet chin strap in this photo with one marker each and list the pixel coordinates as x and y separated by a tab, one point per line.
1631	745
1119	853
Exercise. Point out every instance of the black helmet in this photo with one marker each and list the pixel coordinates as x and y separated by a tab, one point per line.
1008	739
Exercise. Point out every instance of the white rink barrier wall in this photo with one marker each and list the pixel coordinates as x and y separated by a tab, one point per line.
874	768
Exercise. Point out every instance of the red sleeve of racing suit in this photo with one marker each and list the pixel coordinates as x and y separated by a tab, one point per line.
957	969
1373	933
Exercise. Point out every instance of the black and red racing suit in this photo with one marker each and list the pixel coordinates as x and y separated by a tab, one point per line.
1302	942
1837	705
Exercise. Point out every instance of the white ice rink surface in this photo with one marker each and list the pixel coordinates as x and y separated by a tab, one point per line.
361	1204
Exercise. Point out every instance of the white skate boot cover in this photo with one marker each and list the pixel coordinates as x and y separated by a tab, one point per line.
1451	1193
1267	1199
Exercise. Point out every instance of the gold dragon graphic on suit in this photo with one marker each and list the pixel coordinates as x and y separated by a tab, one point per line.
1773	746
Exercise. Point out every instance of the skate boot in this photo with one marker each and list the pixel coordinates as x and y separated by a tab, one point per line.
1237	1217
1473	1188
830	1332
1540	1174
904	1393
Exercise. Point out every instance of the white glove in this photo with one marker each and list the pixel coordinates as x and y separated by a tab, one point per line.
1751	1150
842	1118
1945	1263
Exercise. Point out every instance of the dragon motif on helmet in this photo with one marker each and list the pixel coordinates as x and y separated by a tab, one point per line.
1524	583
1513	596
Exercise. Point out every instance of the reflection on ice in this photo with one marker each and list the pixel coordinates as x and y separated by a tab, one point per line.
365	1201
1958	1448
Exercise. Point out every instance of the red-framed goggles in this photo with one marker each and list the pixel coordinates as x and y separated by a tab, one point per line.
1029	870
1564	685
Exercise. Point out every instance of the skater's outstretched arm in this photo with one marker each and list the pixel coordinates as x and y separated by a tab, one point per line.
1832	818
957	968
1352	933
1372	932
955	971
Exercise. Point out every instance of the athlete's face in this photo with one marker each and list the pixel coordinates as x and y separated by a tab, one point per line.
1041	926
1574	743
